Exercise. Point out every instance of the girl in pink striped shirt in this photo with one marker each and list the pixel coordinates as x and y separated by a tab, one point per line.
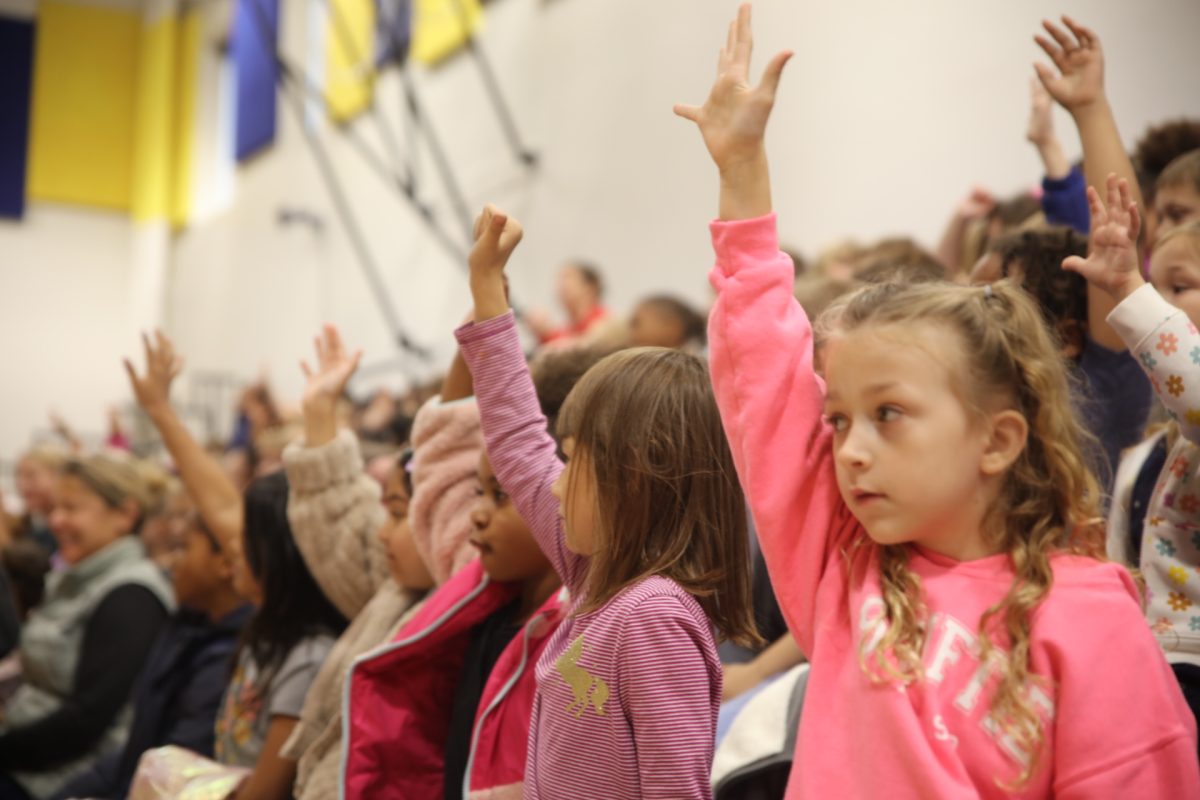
646	526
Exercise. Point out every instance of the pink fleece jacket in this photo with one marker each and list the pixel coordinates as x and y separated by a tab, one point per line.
627	695
1116	723
446	442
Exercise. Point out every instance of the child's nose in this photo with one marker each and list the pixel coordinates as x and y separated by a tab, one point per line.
480	517
854	451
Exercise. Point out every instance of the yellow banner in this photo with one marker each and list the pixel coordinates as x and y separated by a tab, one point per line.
441	28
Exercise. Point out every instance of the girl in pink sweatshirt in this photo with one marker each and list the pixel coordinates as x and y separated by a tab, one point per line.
646	526
929	522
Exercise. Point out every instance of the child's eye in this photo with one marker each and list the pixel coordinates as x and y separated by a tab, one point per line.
838	422
501	496
887	414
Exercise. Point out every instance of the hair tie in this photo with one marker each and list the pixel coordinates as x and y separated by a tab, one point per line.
988	294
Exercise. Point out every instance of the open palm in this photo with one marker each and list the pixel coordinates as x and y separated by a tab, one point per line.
1112	262
335	366
1080	63
734	117
153	389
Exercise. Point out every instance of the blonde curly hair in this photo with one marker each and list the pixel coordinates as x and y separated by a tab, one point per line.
1049	502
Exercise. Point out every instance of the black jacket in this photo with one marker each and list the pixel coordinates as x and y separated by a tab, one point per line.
175	701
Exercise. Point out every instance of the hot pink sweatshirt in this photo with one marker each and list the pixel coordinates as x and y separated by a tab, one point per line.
627	695
1117	723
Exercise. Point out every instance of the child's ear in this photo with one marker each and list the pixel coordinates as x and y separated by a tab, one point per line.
1009	432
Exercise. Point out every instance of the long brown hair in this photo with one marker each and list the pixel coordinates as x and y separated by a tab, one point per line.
667	496
1049	502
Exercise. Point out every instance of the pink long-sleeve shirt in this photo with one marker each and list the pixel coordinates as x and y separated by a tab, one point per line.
627	698
1115	722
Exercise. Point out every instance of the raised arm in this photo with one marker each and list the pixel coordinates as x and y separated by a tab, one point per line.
1162	338
1064	190
333	505
216	497
1041	135
771	400
520	448
1079	88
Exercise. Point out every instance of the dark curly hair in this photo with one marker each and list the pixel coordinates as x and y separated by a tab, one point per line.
1159	146
1038	253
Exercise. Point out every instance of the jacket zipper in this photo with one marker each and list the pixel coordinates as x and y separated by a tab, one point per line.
512	681
437	623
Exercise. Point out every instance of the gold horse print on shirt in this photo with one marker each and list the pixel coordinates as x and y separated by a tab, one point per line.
588	689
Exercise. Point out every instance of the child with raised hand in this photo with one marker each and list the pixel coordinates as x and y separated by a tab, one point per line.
294	625
1064	191
646	526
375	559
1165	341
1078	86
929	521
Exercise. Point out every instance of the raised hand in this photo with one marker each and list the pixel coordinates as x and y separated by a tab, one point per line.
733	121
496	236
1041	120
1080	62
153	390
1112	263
977	205
325	385
335	366
734	117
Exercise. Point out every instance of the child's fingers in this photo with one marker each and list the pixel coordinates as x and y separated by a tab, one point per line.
1044	75
1096	207
1129	206
1135	221
1060	36
147	349
1086	37
1126	196
687	112
1114	192
774	71
337	348
1056	55
130	371
1074	264
165	348
305	370
744	46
